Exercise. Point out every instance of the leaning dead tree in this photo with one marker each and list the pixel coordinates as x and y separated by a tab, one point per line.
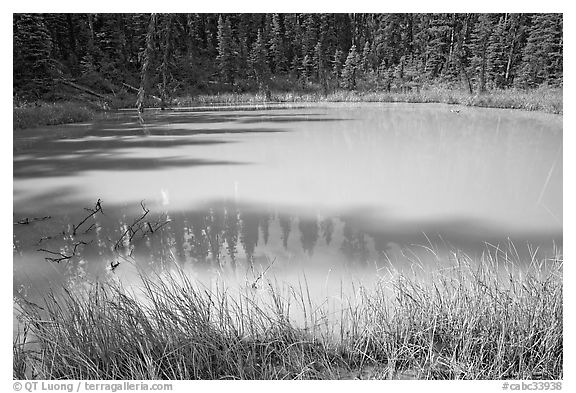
146	60
159	34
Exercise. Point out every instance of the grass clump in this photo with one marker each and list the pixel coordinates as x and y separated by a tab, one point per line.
542	99
43	114
472	320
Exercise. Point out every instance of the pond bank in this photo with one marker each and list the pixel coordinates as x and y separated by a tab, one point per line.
547	100
44	113
472	321
542	99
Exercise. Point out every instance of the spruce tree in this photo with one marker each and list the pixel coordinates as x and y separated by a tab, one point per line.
277	50
225	50
319	61
32	54
310	35
482	51
496	54
292	45
337	63
479	46
366	58
349	72
327	33
258	62
542	55
515	35
307	67
167	52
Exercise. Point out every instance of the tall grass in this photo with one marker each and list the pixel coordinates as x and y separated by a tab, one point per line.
42	114
542	99
476	319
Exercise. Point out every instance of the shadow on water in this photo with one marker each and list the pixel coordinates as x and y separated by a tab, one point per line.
182	117
68	150
169	130
217	117
62	166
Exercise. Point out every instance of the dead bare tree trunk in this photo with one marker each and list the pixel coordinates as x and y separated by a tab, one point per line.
166	32
146	58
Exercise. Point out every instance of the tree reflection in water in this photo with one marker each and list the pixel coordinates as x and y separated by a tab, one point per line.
221	234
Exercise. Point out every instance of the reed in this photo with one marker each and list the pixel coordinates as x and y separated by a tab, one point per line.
42	114
485	318
542	99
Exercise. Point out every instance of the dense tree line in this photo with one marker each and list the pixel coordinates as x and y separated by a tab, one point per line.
168	54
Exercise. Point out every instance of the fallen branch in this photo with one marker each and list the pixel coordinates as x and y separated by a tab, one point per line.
62	256
130	228
136	90
26	221
84	89
90	228
97	208
44	238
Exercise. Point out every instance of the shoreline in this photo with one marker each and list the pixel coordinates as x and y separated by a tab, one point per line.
538	100
439	326
543	100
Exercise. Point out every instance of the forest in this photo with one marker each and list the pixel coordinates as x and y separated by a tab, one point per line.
169	55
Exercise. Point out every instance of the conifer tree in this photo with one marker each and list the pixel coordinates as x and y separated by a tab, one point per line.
258	62
515	35
292	42
32	53
225	50
319	62
337	63
166	36
542	55
479	45
496	54
310	36
277	50
366	57
307	67
192	38
349	72
327	33
103	51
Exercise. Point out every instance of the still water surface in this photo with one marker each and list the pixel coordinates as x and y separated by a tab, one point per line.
324	191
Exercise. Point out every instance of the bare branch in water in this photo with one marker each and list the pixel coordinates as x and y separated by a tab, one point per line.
138	226
130	228
26	221
44	238
61	256
114	265
97	208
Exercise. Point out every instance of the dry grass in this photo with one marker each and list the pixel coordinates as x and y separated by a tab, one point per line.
542	99
475	319
42	114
